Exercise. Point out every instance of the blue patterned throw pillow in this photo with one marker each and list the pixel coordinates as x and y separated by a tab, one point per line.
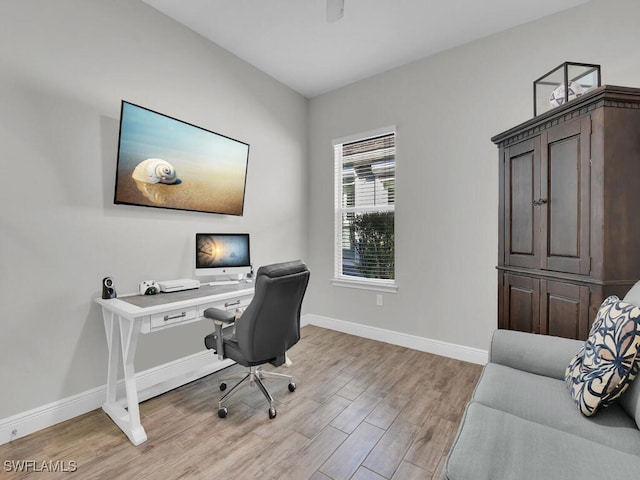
609	360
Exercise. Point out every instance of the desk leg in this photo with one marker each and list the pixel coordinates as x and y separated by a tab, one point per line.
113	343
122	336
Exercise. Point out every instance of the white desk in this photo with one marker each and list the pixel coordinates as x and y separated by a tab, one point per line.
127	316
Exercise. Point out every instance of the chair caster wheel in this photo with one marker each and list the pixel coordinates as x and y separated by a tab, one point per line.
223	387
272	413
222	412
292	387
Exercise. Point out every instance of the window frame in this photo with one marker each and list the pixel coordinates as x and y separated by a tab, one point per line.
349	281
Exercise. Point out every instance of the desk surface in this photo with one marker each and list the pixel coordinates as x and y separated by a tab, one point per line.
136	305
144	301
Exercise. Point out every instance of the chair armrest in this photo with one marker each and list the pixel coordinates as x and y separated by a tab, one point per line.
220	318
539	354
219	315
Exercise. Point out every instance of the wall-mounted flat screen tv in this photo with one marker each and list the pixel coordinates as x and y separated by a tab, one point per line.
167	163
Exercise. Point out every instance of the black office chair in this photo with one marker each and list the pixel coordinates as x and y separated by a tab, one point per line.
269	326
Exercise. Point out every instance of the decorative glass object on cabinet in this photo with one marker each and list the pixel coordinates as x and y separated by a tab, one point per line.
550	91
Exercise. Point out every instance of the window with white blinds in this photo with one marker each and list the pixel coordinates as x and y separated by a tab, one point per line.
365	187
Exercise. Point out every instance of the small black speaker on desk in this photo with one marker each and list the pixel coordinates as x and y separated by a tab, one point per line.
108	290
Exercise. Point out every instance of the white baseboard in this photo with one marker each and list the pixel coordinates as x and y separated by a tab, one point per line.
437	347
152	382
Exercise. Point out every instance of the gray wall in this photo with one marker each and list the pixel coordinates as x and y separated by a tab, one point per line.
446	108
64	67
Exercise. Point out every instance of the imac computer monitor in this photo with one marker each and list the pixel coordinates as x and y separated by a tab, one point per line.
222	254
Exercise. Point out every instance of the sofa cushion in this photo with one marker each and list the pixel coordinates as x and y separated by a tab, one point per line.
630	401
606	364
546	401
497	445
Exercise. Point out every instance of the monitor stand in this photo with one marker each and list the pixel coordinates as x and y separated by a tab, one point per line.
224	282
233	279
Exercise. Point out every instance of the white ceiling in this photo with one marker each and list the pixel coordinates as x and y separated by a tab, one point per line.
292	41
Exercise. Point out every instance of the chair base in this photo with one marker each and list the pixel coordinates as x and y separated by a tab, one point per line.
254	376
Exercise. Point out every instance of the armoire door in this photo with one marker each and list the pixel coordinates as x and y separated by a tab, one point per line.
564	309
564	197
520	309
521	189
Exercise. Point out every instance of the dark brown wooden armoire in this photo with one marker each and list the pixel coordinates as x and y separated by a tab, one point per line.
569	212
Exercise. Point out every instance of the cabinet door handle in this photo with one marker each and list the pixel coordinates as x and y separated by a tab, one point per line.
540	201
168	317
231	304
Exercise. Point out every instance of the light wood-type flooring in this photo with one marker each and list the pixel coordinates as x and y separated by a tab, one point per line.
362	410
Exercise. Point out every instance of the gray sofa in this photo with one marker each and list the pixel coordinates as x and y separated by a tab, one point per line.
522	423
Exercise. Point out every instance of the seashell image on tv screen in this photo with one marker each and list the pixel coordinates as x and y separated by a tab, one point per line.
167	163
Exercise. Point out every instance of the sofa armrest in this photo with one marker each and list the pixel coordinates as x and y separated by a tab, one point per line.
539	354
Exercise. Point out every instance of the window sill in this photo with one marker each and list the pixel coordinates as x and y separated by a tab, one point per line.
378	286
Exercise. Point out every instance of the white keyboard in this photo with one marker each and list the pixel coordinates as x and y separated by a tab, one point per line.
224	282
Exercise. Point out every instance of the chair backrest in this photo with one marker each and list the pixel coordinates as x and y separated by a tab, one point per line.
630	400
270	325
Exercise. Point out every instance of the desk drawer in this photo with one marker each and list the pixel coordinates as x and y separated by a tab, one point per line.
230	304
172	317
